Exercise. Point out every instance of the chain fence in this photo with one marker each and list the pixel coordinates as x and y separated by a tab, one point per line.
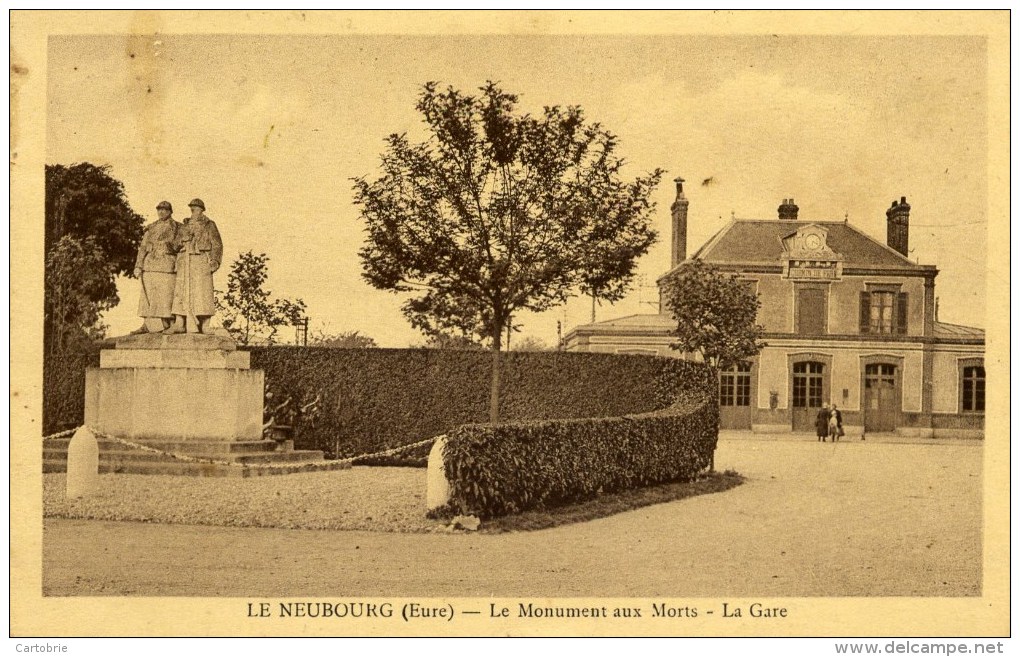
188	458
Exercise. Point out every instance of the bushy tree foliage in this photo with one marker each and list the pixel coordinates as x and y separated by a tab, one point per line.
531	343
716	314
249	312
444	341
497	212
343	340
91	236
79	285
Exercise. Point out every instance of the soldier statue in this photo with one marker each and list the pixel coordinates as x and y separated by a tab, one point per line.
154	267
199	256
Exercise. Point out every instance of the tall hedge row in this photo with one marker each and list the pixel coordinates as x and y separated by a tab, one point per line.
374	399
507	468
64	389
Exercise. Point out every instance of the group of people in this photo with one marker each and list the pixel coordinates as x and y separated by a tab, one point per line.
175	263
829	423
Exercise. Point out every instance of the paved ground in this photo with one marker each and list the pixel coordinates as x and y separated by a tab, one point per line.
850	519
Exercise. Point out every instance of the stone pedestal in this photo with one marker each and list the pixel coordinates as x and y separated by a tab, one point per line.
186	387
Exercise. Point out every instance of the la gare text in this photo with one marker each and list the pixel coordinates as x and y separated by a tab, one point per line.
413	611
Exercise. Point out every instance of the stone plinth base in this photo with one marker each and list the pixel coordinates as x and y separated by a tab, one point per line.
174	359
185	404
218	339
175	403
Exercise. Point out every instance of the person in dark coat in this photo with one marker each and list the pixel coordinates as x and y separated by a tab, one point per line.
822	422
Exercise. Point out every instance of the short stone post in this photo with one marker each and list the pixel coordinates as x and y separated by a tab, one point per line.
82	464
437	488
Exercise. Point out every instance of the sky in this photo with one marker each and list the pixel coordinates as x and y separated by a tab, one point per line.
270	130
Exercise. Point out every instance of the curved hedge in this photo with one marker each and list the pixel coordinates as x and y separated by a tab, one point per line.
375	399
507	468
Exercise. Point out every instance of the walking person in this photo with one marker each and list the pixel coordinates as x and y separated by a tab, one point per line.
822	422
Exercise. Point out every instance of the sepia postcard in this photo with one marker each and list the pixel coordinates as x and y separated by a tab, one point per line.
206	204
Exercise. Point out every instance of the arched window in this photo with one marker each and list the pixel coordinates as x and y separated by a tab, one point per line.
808	384
735	385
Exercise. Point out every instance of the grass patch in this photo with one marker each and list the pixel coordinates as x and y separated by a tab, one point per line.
608	505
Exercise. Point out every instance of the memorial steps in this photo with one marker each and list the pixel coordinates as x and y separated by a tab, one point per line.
236	458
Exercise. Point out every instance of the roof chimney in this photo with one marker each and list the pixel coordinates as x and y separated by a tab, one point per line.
897	222
679	209
788	211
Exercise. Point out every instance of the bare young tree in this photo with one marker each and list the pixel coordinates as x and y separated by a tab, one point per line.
249	312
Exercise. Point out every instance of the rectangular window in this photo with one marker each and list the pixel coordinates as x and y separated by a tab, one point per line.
726	391
974	389
743	390
884	312
881	316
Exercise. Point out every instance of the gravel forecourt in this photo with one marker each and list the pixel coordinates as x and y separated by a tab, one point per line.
812	519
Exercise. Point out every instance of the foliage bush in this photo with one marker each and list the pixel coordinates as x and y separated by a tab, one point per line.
506	468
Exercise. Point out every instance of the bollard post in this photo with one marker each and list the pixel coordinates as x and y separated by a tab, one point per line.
437	490
82	464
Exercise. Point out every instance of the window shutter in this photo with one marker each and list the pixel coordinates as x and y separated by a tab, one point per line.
901	313
865	311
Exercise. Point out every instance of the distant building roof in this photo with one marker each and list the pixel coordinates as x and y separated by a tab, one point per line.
639	324
943	330
760	241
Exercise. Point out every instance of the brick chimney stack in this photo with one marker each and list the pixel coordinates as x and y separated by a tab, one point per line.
679	209
897	222
788	211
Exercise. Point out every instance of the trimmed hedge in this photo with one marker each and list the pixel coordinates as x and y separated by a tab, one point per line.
507	468
375	399
64	389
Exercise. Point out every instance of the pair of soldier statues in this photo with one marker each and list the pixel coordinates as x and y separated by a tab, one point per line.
175	263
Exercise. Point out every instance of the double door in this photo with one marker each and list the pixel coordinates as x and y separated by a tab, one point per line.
881	398
810	391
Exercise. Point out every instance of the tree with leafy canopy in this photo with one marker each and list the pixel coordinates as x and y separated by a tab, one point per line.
91	236
716	314
249	313
498	212
79	285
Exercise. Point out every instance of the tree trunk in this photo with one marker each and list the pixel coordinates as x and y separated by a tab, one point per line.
494	388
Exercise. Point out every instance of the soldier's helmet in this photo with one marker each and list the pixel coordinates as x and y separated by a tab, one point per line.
196	203
165	205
